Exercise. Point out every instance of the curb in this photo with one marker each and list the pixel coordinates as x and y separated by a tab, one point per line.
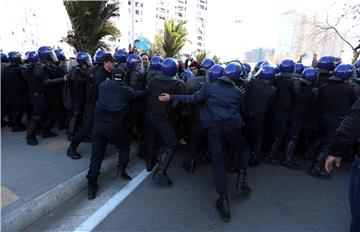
33	210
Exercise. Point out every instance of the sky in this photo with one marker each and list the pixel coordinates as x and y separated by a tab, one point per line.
257	26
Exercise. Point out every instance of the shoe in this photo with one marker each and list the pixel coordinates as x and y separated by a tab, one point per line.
232	168
92	190
223	207
189	166
150	164
70	137
290	164
270	160
161	178
242	182
87	139
121	171
31	141
72	153
48	134
18	128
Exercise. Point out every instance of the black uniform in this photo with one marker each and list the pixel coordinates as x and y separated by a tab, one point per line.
15	91
335	99
285	95
258	98
111	107
160	117
304	102
97	75
78	82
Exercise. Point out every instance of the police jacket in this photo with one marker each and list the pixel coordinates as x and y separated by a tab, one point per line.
347	133
286	91
224	103
114	99
137	80
151	75
334	98
258	97
78	82
97	75
305	99
163	84
323	77
44	77
13	80
122	66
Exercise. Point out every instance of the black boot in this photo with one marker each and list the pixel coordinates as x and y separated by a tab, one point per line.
160	175
16	122
31	132
242	181
150	163
309	154
206	159
72	153
121	171
270	158
189	166
288	161
92	189
72	127
255	157
318	167
223	207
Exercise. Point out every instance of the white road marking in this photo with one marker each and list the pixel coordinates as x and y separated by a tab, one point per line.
111	204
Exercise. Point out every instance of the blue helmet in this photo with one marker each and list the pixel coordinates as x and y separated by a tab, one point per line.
342	72
132	60
83	58
287	66
186	75
33	56
155	62
337	60
14	57
299	68
4	57
309	74
120	55
327	63
233	70
259	64
207	63
247	67
266	72
60	54
169	67
98	55
47	53
215	72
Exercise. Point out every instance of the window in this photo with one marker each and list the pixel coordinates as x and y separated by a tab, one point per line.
199	44
137	12
199	38
129	10
129	3
180	14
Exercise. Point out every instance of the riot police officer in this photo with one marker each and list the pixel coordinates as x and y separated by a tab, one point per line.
155	68
335	98
258	99
41	80
15	90
221	115
120	59
78	79
97	74
284	98
305	101
111	107
160	119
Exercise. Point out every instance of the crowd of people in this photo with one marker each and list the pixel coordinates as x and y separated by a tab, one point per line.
226	114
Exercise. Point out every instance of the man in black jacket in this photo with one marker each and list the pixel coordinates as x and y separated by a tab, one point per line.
346	135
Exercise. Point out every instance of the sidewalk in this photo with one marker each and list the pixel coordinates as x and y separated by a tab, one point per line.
32	176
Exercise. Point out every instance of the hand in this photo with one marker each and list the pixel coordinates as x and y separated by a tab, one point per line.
164	97
329	163
66	77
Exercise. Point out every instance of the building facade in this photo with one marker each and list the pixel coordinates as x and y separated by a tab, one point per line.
256	55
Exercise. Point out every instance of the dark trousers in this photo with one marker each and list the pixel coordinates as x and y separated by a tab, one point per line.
280	124
159	127
354	195
217	136
196	138
104	132
328	125
76	113
255	130
40	103
16	102
86	126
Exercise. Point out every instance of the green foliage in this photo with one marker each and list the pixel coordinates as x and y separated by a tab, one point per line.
175	37
90	23
201	56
